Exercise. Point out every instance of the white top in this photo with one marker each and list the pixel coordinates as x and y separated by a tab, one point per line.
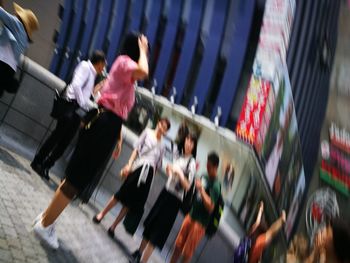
82	85
7	56
173	183
149	150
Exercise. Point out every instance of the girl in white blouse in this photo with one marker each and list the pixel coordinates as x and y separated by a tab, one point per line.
144	161
161	218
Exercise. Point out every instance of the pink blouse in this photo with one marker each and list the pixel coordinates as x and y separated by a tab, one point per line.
118	93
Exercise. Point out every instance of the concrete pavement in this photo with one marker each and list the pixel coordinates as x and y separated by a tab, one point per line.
23	195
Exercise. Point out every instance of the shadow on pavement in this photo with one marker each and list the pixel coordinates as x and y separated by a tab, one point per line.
63	254
8	159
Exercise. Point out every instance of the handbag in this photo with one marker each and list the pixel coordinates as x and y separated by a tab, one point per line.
60	105
188	197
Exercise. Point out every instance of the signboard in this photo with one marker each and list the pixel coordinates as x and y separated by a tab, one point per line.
254	107
335	165
268	120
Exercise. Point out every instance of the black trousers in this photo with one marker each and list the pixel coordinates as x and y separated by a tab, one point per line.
54	147
7	78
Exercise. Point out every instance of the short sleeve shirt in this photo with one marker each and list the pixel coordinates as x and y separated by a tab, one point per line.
198	212
149	150
118	92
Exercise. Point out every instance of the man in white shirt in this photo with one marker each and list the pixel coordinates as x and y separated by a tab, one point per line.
78	94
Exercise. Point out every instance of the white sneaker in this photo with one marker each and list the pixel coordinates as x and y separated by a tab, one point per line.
46	234
38	218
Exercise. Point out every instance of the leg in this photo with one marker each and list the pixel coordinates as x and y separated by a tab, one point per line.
112	202
147	253
196	233
176	255
56	207
119	218
143	245
275	227
50	143
69	128
181	239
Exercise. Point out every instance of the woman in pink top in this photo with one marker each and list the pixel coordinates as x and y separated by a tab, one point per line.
95	145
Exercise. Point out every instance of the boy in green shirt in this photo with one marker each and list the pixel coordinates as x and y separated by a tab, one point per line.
195	223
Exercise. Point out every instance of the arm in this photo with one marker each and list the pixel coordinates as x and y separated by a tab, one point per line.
9	20
98	87
127	168
183	180
80	78
118	147
208	203
142	70
258	218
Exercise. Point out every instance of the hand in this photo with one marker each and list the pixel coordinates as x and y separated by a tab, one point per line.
125	171
143	43
283	216
198	184
117	151
261	206
169	169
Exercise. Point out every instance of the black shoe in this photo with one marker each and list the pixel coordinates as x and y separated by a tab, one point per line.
95	220
45	174
110	233
136	256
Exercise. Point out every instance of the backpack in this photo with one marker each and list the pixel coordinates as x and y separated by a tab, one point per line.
215	217
242	251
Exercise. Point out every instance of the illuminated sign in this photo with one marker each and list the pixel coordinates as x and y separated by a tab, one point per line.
253	109
335	166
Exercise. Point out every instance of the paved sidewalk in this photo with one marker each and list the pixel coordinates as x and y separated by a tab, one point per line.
23	195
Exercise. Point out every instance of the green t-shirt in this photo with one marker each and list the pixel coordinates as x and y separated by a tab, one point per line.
199	212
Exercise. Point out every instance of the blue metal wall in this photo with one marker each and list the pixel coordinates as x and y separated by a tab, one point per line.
187	39
310	58
174	29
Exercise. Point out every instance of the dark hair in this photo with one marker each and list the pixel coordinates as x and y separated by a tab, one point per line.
341	239
194	139
166	120
131	47
213	158
97	56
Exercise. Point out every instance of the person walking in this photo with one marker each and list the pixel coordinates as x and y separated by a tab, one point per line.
162	216
143	163
260	240
78	95
16	32
95	145
194	225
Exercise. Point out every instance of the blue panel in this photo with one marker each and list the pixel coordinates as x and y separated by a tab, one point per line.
76	27
118	24
84	35
90	20
168	42
300	53
188	47
136	14
211	52
227	92
153	21
102	26
65	25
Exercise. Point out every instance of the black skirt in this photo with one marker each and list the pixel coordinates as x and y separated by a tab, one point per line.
92	152
161	218
132	196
